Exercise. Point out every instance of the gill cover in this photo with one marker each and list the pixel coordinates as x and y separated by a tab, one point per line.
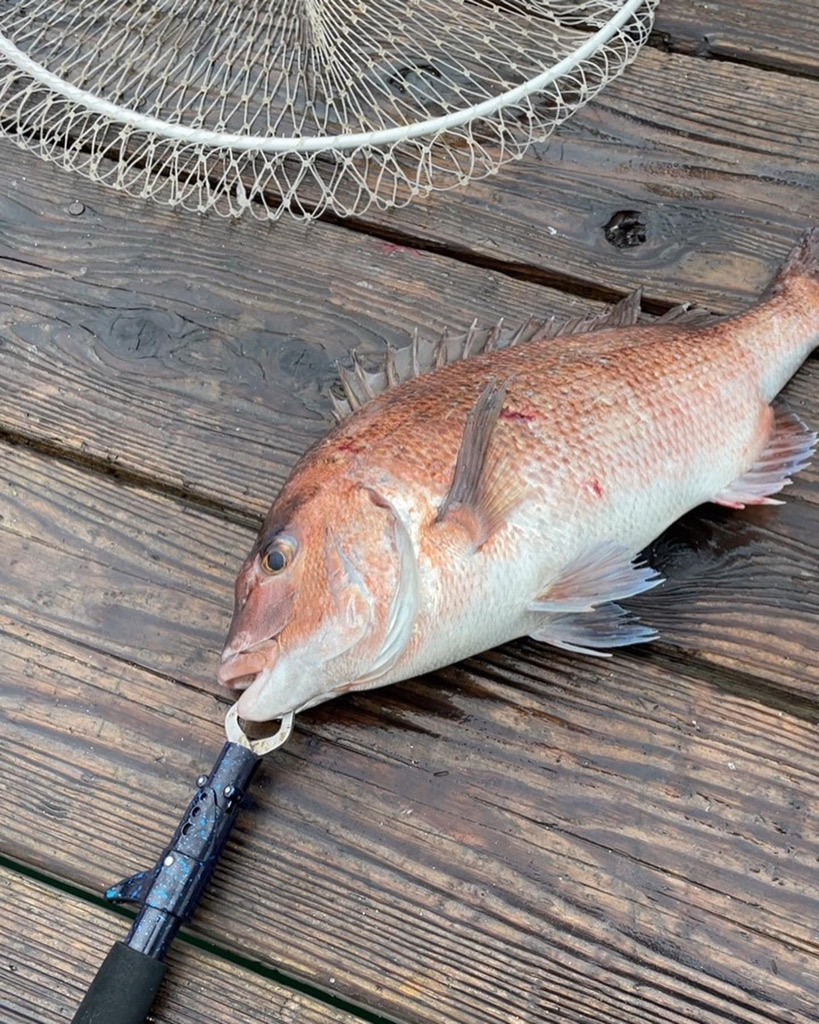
403	606
349	618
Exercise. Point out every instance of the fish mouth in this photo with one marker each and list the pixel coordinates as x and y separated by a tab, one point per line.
258	704
240	668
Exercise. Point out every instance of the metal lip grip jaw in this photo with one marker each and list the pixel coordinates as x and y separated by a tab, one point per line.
167	894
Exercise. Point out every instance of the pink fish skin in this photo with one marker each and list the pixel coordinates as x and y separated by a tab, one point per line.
507	494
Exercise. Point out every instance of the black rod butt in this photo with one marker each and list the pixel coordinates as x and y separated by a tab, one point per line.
124	989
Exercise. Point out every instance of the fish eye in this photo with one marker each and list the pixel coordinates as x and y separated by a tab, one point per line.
278	555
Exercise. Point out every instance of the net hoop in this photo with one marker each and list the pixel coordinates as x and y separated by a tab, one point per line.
308	171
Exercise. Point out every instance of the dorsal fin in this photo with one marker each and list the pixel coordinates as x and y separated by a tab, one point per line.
423	355
688	314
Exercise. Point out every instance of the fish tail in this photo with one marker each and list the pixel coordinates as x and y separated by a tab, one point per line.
783	328
802	265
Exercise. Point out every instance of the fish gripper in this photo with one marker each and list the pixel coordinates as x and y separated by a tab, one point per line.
168	893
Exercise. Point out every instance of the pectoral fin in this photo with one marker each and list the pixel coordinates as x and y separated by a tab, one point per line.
480	498
789	449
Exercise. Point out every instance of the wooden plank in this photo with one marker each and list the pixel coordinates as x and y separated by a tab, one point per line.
51	943
556	849
767	33
493	898
150	580
195	350
155	342
513	839
715	165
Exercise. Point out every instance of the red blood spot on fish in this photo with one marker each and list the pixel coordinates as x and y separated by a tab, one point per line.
515	416
349	445
595	488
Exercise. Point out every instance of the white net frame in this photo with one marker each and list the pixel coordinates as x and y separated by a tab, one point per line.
301	106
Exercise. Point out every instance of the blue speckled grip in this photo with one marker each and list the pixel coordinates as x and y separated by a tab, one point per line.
167	894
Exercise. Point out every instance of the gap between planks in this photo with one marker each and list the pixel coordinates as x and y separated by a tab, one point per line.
130	476
766	34
330	826
40	901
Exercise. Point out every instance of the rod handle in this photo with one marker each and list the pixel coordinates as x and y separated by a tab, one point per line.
123	990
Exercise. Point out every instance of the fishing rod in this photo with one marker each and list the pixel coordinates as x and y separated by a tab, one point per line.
126	984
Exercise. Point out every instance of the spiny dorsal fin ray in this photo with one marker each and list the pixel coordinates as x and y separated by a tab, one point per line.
423	355
479	497
687	314
624	313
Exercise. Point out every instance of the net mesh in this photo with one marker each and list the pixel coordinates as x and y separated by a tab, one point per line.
301	105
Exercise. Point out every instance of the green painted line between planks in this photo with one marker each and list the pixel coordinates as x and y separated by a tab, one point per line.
320	995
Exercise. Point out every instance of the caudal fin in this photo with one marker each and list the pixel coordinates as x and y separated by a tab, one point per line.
783	328
802	263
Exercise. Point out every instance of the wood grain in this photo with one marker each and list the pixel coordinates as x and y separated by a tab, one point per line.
196	351
512	839
51	944
150	580
180	363
229	331
608	840
526	837
767	33
717	163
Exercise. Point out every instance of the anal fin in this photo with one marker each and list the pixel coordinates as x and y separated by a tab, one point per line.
579	609
608	626
789	449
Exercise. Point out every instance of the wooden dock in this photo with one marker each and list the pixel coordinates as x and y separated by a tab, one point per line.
529	836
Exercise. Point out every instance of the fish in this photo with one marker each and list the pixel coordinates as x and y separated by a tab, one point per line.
502	484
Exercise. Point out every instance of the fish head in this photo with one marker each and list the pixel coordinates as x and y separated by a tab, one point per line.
316	602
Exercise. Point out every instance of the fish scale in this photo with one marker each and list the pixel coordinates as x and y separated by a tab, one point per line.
467	501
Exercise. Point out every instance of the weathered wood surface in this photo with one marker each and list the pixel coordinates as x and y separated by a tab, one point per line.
647	817
196	366
203	362
768	33
527	837
741	590
678	855
714	164
148	579
51	943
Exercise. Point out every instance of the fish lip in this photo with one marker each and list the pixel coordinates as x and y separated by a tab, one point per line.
252	705
240	668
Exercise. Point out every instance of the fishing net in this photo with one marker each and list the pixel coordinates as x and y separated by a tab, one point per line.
304	106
